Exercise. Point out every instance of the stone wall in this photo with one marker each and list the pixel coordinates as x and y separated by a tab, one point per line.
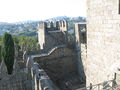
53	39
40	80
50	35
18	81
103	40
80	44
60	64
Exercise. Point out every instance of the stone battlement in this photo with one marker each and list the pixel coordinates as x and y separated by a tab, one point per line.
53	26
52	32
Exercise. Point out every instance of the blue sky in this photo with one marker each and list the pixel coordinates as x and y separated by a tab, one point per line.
21	10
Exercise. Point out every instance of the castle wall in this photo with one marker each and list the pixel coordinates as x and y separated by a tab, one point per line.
60	64
40	80
50	36
80	42
19	81
103	40
41	35
53	39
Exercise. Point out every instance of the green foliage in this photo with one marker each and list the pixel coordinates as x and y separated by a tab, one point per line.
71	37
8	52
0	54
28	33
0	49
28	43
1	40
16	42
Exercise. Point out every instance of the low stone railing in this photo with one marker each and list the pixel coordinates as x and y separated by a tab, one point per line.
108	85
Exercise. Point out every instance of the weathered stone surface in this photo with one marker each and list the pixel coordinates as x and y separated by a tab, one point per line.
18	81
103	40
3	70
59	64
80	44
51	36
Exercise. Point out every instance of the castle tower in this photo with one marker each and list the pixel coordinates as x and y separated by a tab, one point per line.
41	34
50	36
103	40
80	47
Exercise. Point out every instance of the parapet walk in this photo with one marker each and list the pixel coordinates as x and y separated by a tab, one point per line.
40	78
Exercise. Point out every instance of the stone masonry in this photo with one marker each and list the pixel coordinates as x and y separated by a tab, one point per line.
19	80
103	40
63	63
81	48
51	34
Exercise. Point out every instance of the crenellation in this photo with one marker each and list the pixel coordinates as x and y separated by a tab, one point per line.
46	35
42	25
51	25
57	25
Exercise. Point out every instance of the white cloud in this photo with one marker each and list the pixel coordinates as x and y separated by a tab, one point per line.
18	10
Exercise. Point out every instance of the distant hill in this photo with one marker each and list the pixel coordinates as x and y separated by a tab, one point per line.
4	23
29	27
19	28
28	21
79	19
58	18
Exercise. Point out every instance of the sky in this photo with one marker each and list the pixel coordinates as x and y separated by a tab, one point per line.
21	10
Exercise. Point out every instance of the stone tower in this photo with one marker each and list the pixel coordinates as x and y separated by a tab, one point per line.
41	34
103	40
52	34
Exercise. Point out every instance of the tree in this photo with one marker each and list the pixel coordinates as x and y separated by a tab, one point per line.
0	54
16	43
28	43
8	52
1	49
